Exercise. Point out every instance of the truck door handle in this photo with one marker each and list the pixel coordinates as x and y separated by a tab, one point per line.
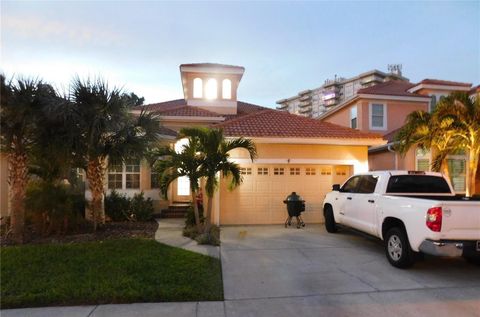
371	201
349	198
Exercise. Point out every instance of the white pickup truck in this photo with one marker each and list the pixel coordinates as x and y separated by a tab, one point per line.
412	212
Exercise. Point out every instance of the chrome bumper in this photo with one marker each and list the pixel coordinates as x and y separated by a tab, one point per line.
440	248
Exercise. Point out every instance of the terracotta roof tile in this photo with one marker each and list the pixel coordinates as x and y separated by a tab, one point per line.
444	82
188	111
162	106
179	108
391	88
274	123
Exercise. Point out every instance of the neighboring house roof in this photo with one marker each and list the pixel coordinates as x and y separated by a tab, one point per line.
430	81
391	88
390	137
271	123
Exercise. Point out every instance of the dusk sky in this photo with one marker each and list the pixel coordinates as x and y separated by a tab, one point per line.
284	46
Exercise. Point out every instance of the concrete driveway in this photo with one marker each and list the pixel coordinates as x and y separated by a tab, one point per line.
273	271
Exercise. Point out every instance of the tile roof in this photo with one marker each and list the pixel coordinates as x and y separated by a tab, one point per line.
189	111
274	123
391	88
179	107
443	82
390	137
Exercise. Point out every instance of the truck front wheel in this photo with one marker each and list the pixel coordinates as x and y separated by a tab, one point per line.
330	224
397	248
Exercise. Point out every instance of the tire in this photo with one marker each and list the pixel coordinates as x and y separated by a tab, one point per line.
472	259
330	224
397	248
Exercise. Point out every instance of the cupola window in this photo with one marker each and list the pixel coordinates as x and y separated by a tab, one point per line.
197	88
211	89
227	89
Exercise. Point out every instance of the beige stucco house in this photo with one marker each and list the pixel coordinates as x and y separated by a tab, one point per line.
294	153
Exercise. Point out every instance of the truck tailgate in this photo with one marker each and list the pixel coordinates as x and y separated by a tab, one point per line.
461	220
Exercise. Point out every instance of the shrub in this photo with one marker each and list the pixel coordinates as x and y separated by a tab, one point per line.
211	238
141	208
122	208
53	205
117	206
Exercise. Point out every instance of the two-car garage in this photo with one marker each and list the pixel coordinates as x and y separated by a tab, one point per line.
259	200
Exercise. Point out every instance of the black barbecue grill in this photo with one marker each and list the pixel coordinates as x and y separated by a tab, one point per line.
295	206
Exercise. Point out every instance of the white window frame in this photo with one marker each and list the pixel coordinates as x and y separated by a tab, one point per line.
426	156
124	177
370	117
356	116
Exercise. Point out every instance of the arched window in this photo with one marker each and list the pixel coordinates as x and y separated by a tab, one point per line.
227	89
197	88
211	89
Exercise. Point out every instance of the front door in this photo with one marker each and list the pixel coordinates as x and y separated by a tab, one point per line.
181	190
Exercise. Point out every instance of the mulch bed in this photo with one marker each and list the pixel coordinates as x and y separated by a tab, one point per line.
84	233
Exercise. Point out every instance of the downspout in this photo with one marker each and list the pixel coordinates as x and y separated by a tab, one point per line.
389	148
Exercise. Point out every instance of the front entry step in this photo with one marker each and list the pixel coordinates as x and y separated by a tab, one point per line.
175	210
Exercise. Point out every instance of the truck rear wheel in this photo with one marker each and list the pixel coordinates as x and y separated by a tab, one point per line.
330	224
397	248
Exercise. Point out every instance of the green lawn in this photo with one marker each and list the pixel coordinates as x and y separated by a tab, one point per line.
112	271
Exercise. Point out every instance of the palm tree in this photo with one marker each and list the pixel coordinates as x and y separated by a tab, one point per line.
454	125
104	128
216	151
21	107
171	164
422	129
459	115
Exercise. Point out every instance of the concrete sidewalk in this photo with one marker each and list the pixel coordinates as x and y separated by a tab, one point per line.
183	309
170	232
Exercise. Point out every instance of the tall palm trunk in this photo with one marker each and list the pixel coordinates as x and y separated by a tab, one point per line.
208	219
17	179
473	159
95	177
195	209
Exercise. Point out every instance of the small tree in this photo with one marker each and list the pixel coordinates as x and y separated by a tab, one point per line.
171	165
216	150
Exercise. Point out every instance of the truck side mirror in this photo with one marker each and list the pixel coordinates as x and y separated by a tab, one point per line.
336	187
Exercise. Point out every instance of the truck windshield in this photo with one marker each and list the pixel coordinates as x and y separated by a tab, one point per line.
421	184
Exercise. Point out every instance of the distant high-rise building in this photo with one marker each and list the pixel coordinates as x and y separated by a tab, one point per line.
314	102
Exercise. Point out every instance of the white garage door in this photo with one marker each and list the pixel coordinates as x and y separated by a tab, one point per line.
259	200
